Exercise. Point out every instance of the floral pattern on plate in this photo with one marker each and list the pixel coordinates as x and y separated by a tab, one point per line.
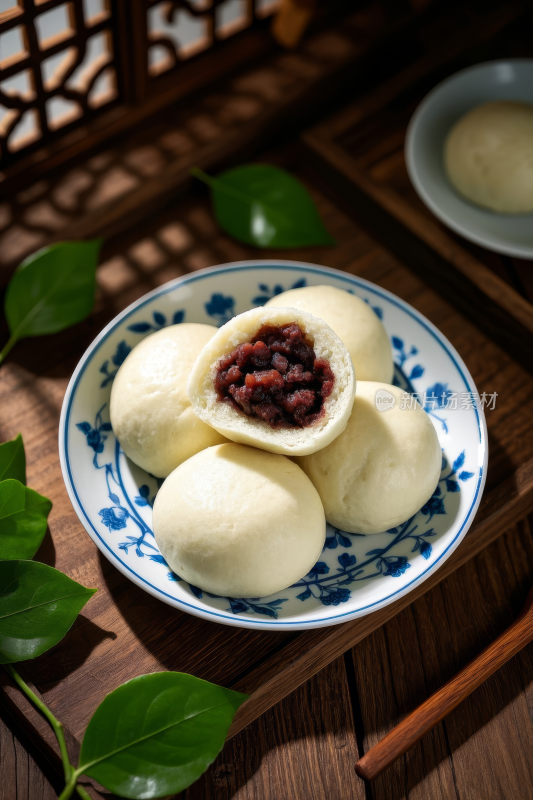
355	574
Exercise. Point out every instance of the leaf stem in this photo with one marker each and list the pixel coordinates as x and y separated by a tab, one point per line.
57	726
69	788
7	347
214	183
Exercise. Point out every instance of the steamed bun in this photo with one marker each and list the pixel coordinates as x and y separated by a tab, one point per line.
239	425
151	414
354	322
489	156
239	522
382	469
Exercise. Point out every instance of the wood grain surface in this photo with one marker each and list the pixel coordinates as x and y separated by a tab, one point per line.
142	638
125	632
307	745
325	696
483	751
424	718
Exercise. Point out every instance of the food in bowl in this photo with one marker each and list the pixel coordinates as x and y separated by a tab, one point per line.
239	522
276	378
383	467
235	517
354	322
488	156
150	411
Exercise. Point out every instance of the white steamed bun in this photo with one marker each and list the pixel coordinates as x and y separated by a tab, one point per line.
239	522
382	469
150	411
354	322
489	156
238	426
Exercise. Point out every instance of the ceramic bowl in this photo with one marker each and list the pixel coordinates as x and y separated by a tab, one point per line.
355	574
510	234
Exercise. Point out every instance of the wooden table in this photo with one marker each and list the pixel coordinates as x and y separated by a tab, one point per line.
306	745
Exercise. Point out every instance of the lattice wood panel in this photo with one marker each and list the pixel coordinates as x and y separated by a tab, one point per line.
57	68
180	29
162	152
64	61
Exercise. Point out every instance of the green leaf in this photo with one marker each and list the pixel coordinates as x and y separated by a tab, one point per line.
23	515
52	289
13	460
38	605
156	734
265	206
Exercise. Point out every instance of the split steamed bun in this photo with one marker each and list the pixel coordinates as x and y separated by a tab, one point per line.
489	156
242	427
151	414
239	522
354	322
382	469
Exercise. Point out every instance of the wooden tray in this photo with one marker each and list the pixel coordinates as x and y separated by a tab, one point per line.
124	632
359	155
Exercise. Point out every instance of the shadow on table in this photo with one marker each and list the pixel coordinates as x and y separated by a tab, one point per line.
175	640
46	554
68	656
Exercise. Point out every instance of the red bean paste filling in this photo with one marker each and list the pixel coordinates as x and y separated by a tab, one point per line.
276	377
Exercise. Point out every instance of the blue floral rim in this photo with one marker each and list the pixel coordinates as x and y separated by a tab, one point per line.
259	265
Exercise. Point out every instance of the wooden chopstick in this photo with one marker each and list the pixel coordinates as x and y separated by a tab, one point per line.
435	708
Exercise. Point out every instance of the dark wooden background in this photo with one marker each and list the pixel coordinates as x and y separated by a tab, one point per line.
305	746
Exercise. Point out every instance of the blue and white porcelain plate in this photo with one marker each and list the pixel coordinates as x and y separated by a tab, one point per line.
355	574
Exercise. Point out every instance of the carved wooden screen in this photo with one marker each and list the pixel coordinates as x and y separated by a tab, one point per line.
57	68
65	62
180	29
